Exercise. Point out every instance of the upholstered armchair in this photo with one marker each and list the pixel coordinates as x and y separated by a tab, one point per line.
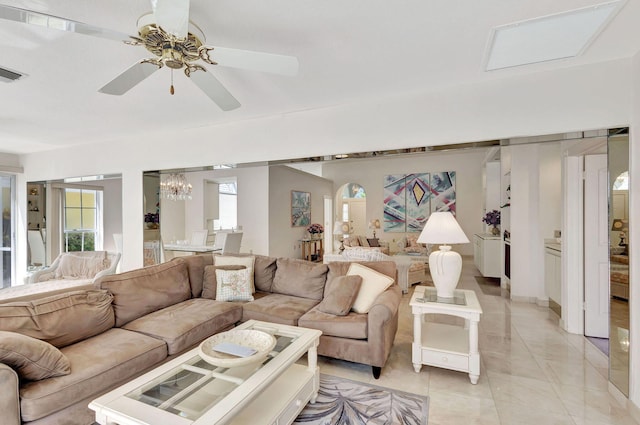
83	267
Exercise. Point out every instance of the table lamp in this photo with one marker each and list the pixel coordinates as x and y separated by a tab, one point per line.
621	225
340	228
374	224
444	265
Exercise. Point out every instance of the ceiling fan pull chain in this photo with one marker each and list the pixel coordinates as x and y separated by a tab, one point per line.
171	90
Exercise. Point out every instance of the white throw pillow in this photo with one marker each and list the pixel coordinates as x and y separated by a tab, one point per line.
373	284
228	260
233	285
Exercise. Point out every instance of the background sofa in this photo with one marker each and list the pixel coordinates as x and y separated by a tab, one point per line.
131	322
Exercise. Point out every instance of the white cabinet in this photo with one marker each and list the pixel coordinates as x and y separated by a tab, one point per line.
552	273
486	254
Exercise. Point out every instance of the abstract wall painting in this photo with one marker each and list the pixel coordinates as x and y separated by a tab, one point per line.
300	208
409	199
443	190
418	197
394	203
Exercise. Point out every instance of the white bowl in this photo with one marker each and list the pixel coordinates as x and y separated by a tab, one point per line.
260	341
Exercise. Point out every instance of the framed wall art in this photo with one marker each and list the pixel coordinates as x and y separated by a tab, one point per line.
409	199
300	208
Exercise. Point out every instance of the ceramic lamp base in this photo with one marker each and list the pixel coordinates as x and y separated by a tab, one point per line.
445	267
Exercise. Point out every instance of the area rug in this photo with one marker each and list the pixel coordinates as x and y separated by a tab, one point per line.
345	402
489	285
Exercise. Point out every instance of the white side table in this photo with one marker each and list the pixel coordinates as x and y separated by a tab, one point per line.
443	345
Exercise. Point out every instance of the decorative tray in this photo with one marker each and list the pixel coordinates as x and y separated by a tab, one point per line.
252	346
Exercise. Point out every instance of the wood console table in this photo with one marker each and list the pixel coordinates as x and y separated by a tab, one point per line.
312	249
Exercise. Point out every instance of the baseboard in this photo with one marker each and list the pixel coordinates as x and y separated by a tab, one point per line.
542	302
557	308
519	299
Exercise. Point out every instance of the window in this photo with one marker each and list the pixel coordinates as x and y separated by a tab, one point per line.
82	220
228	209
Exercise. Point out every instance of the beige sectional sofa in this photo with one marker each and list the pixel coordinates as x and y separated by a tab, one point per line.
94	340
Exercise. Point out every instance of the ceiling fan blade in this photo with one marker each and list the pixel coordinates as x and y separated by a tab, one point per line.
129	78
215	90
172	16
49	21
255	61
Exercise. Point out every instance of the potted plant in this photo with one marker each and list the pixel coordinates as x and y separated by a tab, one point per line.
492	218
152	220
315	230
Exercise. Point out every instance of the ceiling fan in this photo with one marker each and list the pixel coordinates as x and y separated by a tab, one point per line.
176	43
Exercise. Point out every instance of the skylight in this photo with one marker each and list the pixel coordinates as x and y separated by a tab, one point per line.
547	38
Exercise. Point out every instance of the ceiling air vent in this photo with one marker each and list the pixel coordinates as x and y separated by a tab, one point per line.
8	76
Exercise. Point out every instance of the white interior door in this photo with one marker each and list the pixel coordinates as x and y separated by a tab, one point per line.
596	247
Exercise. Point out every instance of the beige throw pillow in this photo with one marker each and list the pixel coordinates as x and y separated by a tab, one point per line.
31	358
209	281
373	284
228	260
340	295
233	285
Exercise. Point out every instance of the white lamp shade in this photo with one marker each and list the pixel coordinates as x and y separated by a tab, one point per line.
340	228
443	229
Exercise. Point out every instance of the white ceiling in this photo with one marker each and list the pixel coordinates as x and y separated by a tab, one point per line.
349	51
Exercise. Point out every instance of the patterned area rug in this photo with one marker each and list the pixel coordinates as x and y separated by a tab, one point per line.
345	402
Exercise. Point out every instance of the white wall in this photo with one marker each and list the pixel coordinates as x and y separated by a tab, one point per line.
112	211
370	174
285	240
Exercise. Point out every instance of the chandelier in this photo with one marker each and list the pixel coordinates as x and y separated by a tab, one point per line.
175	188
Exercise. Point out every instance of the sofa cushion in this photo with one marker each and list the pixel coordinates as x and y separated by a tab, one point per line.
145	290
233	285
373	284
195	268
229	260
209	281
97	364
31	358
60	319
353	325
186	324
264	271
277	308
299	278
340	295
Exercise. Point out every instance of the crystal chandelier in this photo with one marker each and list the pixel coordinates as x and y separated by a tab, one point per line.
175	188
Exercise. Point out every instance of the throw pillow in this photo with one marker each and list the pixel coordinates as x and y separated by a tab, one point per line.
248	262
373	284
209	281
341	295
300	278
373	242
233	285
31	358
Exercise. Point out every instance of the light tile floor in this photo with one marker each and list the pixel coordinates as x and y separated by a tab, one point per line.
532	372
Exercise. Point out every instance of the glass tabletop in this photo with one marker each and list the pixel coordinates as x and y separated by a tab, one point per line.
195	386
430	296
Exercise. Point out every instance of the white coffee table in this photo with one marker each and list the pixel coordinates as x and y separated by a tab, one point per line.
187	390
444	345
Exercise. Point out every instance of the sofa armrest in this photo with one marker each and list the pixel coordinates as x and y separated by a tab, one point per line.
115	258
43	275
10	400
383	324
